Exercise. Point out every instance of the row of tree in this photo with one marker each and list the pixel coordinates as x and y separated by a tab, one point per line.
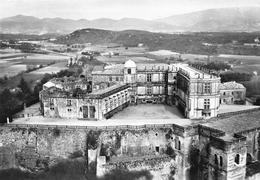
235	76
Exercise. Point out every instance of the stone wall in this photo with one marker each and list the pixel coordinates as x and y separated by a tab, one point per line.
164	151
35	148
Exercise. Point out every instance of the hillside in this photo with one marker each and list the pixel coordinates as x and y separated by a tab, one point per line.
183	43
224	19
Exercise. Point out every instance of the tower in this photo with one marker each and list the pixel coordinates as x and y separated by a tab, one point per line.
130	78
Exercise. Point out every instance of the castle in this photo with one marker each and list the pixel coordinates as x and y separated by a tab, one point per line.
195	92
206	144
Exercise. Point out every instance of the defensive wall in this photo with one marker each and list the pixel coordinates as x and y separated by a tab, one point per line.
166	150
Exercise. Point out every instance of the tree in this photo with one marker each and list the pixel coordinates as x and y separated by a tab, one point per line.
25	90
8	102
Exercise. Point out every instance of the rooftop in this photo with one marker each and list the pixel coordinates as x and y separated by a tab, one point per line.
231	85
235	123
109	90
155	67
193	72
114	69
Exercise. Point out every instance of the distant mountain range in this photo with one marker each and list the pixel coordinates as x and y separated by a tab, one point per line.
33	25
215	20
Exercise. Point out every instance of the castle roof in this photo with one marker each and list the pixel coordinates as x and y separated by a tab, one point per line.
130	64
110	70
154	67
231	85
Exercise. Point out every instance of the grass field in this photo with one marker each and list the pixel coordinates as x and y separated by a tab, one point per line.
13	55
242	58
250	68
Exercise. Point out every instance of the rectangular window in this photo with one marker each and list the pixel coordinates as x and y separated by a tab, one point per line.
149	90
126	97
106	106
110	78
117	78
206	103
115	103
68	102
52	101
119	100
207	88
111	104
92	111
149	77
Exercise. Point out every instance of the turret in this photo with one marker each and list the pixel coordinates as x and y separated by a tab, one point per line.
130	72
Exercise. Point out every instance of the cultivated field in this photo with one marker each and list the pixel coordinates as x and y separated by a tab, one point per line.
122	59
52	68
247	68
14	63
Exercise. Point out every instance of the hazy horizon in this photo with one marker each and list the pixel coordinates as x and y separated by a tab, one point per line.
114	9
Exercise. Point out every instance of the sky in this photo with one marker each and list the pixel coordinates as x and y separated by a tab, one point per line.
114	9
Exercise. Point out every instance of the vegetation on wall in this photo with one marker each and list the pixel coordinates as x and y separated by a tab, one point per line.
56	132
92	139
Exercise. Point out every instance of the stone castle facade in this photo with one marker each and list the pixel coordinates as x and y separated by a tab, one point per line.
195	92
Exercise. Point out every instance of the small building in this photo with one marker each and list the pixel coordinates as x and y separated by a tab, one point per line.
232	93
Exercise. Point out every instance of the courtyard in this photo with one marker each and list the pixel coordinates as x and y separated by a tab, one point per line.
143	114
149	111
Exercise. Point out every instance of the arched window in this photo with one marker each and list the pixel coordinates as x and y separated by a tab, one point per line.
221	161
237	159
179	147
216	159
128	71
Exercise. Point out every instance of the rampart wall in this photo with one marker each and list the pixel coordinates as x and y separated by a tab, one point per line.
37	147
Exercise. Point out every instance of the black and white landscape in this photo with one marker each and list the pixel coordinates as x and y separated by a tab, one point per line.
214	20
